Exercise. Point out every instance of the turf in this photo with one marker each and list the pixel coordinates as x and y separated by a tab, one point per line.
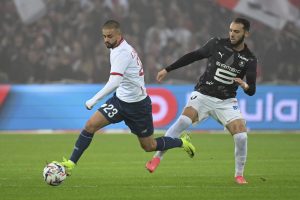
113	168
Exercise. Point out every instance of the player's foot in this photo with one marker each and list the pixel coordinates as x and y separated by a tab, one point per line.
187	145
240	180
152	164
68	164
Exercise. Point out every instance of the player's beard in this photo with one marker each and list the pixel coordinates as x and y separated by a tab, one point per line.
110	45
240	41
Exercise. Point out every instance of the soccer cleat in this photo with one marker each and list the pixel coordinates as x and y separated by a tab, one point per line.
240	180
187	145
68	164
152	164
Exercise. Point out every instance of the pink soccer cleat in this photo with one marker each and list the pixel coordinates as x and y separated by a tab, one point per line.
240	180
152	164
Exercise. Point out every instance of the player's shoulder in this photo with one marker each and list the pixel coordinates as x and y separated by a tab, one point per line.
250	53
219	41
214	40
123	49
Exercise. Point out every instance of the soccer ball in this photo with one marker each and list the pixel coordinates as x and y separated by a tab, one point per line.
54	174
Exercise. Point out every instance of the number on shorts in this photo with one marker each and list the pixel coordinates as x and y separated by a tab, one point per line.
110	110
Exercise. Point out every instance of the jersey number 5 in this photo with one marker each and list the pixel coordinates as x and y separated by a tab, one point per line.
224	76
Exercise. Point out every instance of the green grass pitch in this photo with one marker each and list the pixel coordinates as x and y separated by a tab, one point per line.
113	168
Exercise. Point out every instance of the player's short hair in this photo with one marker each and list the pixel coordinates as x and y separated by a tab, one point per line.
243	21
112	24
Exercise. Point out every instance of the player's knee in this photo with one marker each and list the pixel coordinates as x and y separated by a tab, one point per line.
242	128
90	127
148	147
237	127
243	136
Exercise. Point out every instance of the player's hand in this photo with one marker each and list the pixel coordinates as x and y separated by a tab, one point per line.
243	84
161	75
89	104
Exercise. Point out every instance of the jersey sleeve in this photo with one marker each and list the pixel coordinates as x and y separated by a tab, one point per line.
120	63
203	52
251	77
206	50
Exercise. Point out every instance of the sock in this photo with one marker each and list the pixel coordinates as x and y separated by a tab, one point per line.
164	143
182	123
240	140
82	143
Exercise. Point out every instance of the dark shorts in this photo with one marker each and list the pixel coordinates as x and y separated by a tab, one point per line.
137	116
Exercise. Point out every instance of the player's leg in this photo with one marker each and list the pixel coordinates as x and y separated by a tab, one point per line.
193	112
161	143
108	113
239	132
188	116
96	122
164	143
138	117
174	132
229	114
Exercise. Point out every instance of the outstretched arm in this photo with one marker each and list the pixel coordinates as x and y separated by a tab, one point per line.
111	85
203	52
185	60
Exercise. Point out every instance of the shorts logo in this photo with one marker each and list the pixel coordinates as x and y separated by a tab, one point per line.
104	105
145	131
193	97
235	107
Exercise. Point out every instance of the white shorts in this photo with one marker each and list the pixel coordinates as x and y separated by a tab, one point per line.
224	111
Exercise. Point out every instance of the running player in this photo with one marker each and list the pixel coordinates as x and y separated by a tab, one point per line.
229	61
130	103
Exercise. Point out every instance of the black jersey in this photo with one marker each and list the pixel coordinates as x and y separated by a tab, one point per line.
224	64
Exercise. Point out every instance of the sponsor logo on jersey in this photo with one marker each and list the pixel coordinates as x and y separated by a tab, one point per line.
224	66
243	58
242	63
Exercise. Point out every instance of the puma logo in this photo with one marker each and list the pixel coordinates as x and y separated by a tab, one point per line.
221	54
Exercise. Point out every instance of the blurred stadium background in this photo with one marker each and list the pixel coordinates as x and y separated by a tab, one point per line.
52	59
52	56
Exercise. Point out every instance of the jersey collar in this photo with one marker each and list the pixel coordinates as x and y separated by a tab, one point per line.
122	39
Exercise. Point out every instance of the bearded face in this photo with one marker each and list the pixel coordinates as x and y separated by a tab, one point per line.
237	34
111	37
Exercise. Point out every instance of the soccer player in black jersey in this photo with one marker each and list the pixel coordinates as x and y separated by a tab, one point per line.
229	61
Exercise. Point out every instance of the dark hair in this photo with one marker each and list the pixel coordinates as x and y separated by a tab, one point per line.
112	24
243	21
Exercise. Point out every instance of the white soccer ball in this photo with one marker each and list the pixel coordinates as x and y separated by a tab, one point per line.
54	174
